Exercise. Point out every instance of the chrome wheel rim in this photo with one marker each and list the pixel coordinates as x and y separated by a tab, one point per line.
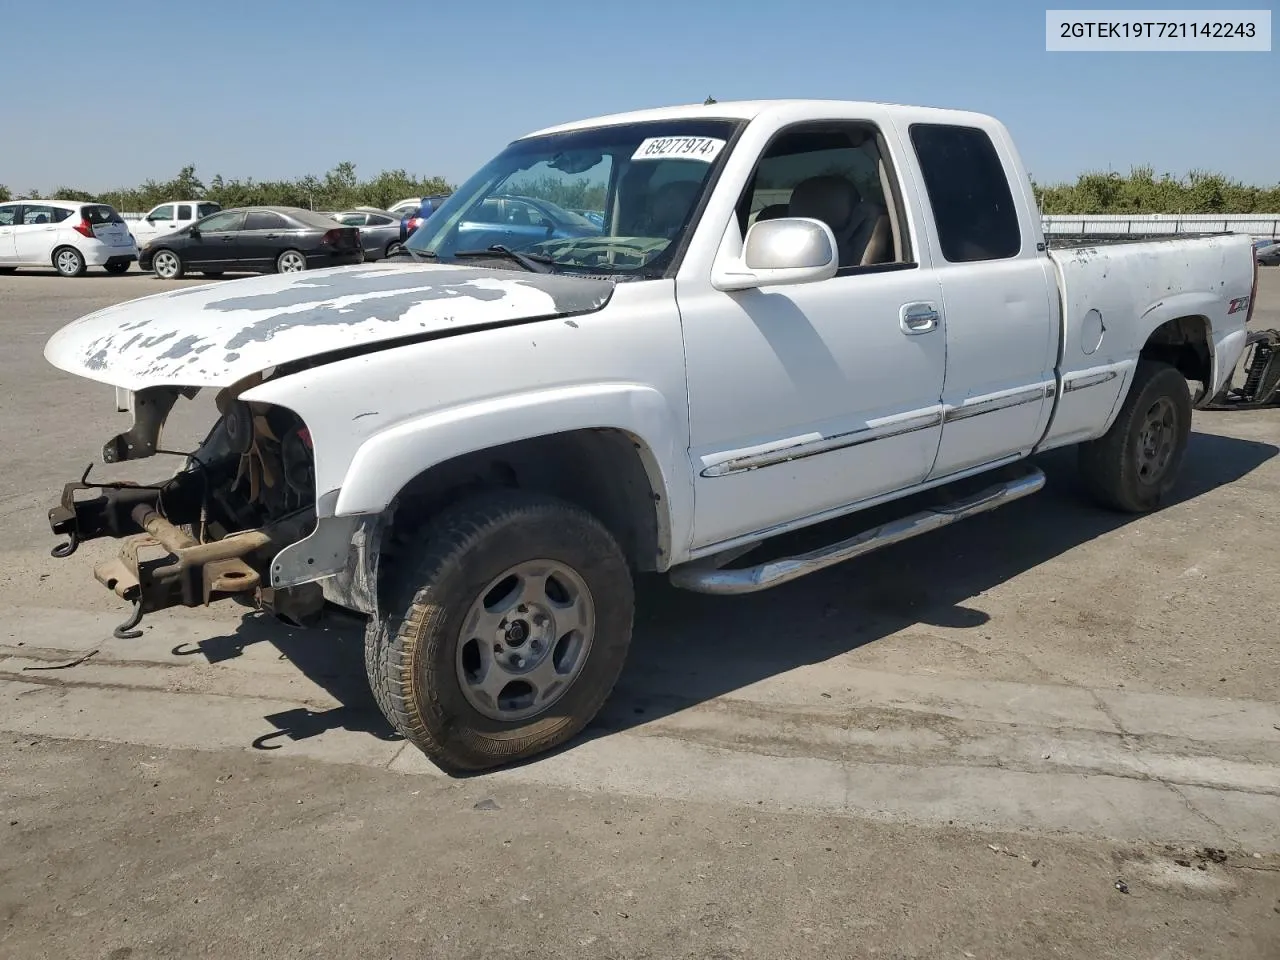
68	261
292	263
166	265
525	640
1156	440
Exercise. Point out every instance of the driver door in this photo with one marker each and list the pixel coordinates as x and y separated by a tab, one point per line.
218	242
806	399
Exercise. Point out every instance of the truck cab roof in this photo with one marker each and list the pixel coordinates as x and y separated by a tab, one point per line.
784	109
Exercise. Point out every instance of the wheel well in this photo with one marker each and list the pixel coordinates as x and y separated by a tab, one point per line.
600	470
1183	343
53	257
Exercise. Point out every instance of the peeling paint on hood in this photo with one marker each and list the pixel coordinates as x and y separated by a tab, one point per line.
219	333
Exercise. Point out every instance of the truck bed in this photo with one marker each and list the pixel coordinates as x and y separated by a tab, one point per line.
1071	241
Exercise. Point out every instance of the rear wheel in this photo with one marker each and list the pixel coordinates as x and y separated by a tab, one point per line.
393	248
291	261
167	265
508	622
117	267
68	262
1134	465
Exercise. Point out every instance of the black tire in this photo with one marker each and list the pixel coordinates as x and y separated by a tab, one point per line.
69	262
213	274
179	271
116	268
1112	467
4	270
413	654
393	248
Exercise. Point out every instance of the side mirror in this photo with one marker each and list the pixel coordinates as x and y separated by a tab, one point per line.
788	250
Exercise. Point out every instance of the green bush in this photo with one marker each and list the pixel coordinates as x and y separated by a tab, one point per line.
338	189
1142	192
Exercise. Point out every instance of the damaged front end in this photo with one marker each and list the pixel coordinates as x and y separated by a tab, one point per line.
213	530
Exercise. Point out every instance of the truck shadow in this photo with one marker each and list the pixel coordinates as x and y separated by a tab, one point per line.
689	648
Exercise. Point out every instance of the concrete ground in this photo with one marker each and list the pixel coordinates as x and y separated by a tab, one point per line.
1046	732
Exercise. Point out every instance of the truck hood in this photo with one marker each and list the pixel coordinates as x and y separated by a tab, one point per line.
219	333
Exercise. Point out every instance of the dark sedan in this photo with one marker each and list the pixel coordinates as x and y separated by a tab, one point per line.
253	240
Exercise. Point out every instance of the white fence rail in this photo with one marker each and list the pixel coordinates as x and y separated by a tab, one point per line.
1255	224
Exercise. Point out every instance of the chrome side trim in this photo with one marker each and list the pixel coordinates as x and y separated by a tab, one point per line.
703	579
810	448
996	403
1091	380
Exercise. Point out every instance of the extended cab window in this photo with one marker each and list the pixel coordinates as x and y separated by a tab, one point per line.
968	191
839	174
184	211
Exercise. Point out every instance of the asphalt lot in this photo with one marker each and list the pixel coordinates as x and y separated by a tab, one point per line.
956	747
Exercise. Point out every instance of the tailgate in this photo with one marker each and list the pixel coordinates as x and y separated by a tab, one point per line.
107	225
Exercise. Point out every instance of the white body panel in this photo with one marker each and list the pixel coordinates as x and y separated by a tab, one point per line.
755	411
47	225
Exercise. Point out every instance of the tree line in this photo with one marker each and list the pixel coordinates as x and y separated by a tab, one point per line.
1140	191
338	189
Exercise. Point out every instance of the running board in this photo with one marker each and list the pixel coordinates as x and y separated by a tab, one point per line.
700	578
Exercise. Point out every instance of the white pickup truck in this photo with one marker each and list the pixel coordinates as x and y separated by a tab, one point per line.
793	310
165	218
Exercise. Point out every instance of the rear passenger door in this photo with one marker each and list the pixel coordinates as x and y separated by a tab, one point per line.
263	239
999	293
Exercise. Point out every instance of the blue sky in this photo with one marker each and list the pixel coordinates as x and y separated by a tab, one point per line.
279	88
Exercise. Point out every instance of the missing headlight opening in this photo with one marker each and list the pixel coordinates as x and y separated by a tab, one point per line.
211	531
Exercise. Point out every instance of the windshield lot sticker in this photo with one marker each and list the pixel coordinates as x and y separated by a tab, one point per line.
705	149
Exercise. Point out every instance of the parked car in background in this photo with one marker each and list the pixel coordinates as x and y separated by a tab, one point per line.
253	240
67	235
167	217
379	230
595	216
414	216
1267	252
413	205
516	221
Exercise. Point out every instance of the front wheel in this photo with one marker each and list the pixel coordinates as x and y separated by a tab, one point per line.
1134	465
69	262
167	265
509	620
291	261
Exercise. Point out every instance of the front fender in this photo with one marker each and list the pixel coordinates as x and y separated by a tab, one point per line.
388	460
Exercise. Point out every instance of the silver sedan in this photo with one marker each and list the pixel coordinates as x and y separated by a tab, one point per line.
379	230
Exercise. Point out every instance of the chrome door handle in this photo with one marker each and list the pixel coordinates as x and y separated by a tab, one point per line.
917	318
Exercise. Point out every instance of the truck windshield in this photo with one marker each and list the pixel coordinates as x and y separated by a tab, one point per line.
632	189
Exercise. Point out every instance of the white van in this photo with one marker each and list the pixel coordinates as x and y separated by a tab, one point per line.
67	235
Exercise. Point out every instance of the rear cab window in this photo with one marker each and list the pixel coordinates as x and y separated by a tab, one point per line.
206	209
968	191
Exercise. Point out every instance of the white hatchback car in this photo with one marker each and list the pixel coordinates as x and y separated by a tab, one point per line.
67	235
